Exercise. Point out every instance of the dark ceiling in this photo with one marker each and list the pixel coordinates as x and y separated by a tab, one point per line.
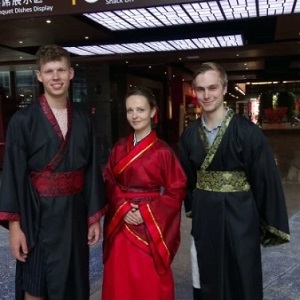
271	51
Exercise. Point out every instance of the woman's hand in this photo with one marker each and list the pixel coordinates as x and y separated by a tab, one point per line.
134	217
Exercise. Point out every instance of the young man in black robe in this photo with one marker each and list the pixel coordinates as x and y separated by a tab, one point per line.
234	192
52	194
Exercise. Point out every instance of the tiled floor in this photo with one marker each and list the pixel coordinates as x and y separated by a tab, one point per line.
281	264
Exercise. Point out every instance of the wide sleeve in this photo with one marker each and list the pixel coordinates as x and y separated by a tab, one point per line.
94	190
117	202
266	185
189	169
18	200
162	215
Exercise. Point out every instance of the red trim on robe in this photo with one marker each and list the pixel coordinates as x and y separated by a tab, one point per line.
157	244
64	142
134	152
5	217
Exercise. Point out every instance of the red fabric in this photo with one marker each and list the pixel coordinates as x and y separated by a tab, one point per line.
149	175
131	275
52	184
64	142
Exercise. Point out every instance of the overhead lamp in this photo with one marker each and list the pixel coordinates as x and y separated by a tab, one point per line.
191	13
159	46
239	90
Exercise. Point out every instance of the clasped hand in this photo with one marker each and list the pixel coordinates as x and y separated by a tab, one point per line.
134	217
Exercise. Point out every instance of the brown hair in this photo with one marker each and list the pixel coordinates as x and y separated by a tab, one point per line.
143	91
212	66
147	93
49	53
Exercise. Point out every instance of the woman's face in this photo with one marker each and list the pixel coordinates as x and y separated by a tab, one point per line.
139	114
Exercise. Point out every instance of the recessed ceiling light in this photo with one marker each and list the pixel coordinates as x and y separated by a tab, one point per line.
160	46
86	37
20	42
48	21
191	13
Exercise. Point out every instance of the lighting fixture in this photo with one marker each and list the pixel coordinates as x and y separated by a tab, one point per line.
191	13
159	46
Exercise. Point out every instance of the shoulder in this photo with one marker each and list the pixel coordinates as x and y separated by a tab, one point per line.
24	115
246	130
244	124
119	143
191	128
161	146
81	111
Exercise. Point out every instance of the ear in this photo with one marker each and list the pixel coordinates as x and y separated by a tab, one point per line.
153	112
225	90
71	73
38	75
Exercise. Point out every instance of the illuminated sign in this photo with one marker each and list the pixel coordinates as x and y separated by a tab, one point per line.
186	11
37	8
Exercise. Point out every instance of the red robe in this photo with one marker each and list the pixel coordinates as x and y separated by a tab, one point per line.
137	259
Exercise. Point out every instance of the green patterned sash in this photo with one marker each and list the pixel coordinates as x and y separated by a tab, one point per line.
219	181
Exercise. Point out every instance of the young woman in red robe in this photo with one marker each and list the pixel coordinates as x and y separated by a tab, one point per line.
146	186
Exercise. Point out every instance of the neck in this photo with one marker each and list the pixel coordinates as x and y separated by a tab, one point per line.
214	118
140	135
59	102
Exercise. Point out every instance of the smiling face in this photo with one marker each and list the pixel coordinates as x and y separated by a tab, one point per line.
55	77
210	90
139	114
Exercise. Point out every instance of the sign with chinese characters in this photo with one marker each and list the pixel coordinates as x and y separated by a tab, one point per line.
10	9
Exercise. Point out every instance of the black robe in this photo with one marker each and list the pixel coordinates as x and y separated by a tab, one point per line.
58	224
228	227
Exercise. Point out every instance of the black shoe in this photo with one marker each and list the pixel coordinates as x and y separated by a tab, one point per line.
196	294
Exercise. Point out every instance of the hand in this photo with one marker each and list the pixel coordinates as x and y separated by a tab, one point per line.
94	233
17	241
134	217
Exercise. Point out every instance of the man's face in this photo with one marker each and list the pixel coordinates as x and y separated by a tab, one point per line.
210	90
55	77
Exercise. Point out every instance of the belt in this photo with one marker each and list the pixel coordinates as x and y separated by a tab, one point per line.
140	193
54	184
220	181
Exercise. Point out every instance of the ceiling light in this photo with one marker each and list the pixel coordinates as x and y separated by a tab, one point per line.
191	13
160	46
78	51
278	7
48	21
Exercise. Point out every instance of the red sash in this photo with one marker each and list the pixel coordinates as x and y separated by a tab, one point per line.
134	152
47	182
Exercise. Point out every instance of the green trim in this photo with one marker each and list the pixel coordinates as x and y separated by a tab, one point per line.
271	236
211	151
221	181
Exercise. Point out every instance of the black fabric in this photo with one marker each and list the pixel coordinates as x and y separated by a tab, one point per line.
33	273
196	294
58	224
226	226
